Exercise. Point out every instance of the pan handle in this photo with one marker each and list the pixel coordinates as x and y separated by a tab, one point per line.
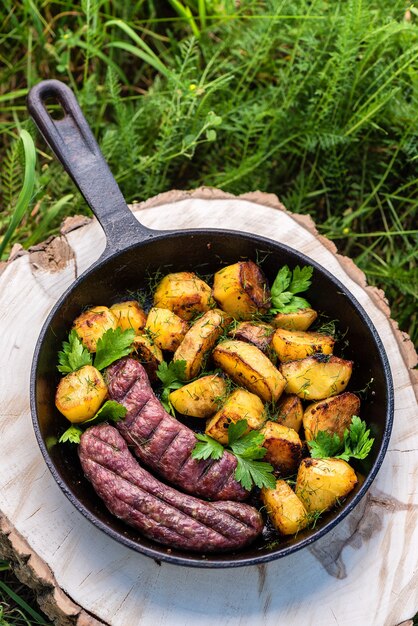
75	147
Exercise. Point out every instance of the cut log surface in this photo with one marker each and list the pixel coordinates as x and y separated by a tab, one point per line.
363	573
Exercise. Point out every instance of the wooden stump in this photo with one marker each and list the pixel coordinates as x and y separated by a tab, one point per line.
362	573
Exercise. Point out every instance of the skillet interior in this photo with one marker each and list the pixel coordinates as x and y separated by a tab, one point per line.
204	252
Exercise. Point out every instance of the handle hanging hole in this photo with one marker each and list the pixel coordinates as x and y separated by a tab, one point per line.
54	108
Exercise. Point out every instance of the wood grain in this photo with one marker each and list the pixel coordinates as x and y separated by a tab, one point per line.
363	572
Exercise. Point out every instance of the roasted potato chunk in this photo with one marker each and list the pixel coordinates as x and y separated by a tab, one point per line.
201	397
285	510
183	293
129	315
316	377
249	367
148	354
257	333
297	344
80	394
241	290
284	447
290	412
321	482
199	341
299	320
92	324
241	405
166	328
333	415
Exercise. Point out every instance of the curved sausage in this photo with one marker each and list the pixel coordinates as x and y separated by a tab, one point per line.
163	443
161	512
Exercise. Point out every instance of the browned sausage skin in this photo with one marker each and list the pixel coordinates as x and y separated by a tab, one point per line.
163	443
161	512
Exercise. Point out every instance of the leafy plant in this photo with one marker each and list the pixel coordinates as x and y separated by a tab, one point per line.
247	449
112	345
172	377
286	285
356	442
25	195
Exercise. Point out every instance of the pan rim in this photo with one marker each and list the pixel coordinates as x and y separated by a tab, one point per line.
160	554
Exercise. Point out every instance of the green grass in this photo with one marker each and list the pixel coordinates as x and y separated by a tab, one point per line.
17	602
315	101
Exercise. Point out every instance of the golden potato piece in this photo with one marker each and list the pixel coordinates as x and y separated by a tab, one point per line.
316	377
241	290
183	293
80	394
321	482
284	447
200	398
166	328
299	320
92	324
289	412
129	315
249	367
241	405
148	354
333	415
257	333
297	344
285	510
199	341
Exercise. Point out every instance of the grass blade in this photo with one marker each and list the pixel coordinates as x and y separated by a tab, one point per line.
128	47
148	55
23	605
185	12
202	13
25	195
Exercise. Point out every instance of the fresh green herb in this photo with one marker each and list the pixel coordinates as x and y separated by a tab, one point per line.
172	377
356	442
207	448
248	450
113	345
72	435
73	355
325	445
286	285
111	411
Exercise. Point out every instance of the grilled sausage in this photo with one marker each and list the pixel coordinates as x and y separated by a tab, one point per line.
161	512
163	443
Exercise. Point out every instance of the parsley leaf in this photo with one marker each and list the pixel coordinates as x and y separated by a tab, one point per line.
286	285
172	376
207	448
357	440
325	445
236	430
113	345
111	411
355	444
73	355
301	279
72	435
250	473
247	449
